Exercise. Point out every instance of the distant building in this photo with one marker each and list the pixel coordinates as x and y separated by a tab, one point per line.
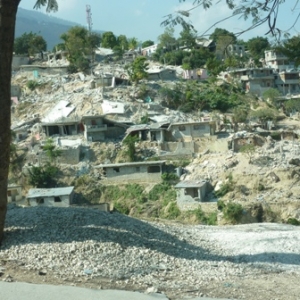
191	191
14	193
61	197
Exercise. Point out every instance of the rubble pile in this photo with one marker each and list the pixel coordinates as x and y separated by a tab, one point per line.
76	243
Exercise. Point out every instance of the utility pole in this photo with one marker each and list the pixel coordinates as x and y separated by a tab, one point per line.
89	18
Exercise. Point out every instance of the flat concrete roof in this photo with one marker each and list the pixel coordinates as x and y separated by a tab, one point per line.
190	184
53	192
128	164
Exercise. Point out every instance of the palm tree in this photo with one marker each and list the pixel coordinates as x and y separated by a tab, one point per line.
8	14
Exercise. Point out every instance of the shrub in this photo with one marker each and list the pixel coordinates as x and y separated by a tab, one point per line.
233	212
221	205
260	187
173	211
32	84
212	219
293	221
158	190
121	207
200	215
169	177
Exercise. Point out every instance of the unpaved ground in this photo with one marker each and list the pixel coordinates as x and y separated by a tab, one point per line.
86	247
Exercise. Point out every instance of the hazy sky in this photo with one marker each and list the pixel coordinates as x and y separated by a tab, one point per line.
142	18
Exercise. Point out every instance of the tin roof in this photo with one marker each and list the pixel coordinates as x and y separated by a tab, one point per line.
53	192
190	184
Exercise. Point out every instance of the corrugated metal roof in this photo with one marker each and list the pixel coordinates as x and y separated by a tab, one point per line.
190	184
53	192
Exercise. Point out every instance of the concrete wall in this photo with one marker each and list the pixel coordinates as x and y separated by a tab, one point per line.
114	132
189	131
133	173
14	193
45	70
70	155
19	60
50	201
15	91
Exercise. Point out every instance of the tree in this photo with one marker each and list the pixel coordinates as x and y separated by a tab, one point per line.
272	95
122	42
137	69
248	150
132	43
220	33
290	48
167	39
261	12
80	44
109	40
147	43
188	38
29	43
257	47
129	142
8	13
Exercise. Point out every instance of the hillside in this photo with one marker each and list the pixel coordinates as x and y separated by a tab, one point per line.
49	27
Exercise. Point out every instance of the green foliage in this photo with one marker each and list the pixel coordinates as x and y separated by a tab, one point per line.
221	205
147	43
226	187
137	69
43	176
32	84
248	150
167	177
292	105
265	114
158	191
260	187
79	43
293	221
275	135
122	42
220	33
129	142
290	48
121	207
233	212
257	46
272	95
144	119
29	43
51	151
172	211
212	219
109	40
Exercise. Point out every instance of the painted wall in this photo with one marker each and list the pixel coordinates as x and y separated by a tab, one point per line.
50	201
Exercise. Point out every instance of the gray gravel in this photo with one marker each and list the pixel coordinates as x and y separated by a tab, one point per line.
78	242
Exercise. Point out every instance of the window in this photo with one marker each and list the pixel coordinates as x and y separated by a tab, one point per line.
57	199
138	169
153	169
117	170
199	127
181	128
39	200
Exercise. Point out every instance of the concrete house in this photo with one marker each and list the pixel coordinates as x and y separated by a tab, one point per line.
187	131
191	191
98	128
14	193
161	73
60	197
65	126
287	82
254	80
277	61
149	171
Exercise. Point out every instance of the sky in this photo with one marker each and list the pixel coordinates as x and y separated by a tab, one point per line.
142	18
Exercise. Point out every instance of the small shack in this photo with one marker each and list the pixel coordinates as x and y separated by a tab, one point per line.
60	197
14	193
136	171
191	191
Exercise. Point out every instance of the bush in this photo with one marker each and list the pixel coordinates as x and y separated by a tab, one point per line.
121	207
169	177
173	211
221	205
293	221
158	191
233	212
32	84
212	219
260	187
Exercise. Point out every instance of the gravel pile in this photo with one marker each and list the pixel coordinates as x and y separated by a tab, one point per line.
76	242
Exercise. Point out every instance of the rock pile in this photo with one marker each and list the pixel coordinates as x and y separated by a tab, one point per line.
79	242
